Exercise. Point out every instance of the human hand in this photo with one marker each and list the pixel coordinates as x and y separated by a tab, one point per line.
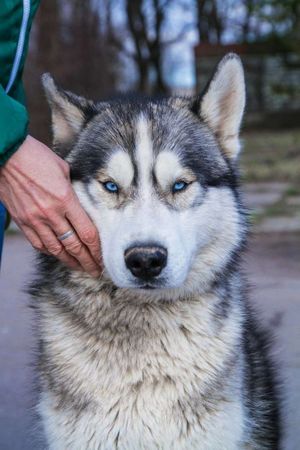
36	189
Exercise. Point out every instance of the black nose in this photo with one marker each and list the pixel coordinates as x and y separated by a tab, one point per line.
146	262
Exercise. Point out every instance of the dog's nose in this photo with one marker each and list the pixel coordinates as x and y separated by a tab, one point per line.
146	262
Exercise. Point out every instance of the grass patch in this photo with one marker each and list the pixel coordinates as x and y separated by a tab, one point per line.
271	156
280	208
293	191
12	231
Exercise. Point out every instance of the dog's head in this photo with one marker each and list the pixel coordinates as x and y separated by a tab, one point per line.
158	179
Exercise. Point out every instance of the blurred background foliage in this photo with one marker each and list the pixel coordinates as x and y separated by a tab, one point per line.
99	48
104	46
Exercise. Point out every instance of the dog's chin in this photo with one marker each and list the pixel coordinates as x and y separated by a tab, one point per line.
153	286
147	287
139	287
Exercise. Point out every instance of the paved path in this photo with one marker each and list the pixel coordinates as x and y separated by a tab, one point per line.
273	266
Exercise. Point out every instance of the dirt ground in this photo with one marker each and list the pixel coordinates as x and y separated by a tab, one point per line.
273	267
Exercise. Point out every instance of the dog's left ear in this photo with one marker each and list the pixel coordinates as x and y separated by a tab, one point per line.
223	103
69	112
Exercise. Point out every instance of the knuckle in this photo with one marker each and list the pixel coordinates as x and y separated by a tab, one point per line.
74	248
23	219
47	209
37	246
89	236
65	197
34	222
28	216
54	249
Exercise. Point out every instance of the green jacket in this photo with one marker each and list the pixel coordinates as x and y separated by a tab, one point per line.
15	22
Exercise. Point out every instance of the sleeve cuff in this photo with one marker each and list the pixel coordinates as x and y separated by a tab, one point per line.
13	125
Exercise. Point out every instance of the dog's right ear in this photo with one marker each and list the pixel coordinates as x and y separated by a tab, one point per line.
69	113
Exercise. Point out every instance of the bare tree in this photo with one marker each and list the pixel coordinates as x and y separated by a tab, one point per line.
144	29
210	22
90	66
68	41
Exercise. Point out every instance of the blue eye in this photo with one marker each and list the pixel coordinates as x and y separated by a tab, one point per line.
179	186
110	186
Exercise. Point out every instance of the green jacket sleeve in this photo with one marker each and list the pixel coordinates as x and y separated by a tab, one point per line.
13	125
15	22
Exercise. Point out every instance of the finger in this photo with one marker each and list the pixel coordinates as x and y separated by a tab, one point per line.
55	248
73	246
85	229
34	239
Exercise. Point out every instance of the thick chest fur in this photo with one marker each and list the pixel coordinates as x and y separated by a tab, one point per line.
132	376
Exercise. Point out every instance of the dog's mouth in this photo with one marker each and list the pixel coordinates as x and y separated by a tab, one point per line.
157	284
147	287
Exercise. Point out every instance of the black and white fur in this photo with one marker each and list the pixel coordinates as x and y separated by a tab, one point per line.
177	362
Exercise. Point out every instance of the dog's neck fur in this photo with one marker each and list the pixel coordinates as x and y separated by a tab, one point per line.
124	347
122	321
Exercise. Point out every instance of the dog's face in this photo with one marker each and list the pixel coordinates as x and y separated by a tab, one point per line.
157	179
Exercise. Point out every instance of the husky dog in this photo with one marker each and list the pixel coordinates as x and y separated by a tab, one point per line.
163	350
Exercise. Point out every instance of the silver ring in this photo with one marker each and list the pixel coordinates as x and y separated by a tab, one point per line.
65	235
